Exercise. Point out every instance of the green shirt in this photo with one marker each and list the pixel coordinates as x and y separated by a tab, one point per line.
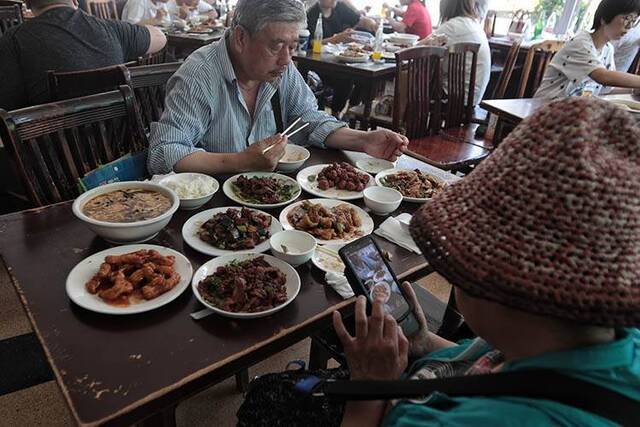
615	365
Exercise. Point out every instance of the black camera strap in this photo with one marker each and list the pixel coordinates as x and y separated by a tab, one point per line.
277	111
533	384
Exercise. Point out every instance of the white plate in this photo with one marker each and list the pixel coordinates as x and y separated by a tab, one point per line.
208	268
405	198
400	38
88	267
374	165
332	193
191	227
326	262
353	59
627	104
365	229
227	188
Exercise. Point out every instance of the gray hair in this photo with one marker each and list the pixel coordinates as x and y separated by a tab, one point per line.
254	15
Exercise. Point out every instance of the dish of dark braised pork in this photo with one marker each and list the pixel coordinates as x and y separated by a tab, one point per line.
245	286
236	229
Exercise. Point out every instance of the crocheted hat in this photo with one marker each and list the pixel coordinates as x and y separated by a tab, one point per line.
550	222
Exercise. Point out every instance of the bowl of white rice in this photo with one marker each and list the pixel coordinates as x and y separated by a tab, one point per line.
193	189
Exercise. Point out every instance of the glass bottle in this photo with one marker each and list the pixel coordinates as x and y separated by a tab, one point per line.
317	36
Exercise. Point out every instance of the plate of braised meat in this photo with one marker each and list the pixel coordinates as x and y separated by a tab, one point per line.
338	180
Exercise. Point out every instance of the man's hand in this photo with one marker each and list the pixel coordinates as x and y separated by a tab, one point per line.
160	14
379	349
385	144
253	157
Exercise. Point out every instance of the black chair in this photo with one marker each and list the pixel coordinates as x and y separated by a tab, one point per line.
10	16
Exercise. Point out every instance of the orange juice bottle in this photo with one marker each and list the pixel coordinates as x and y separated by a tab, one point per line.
317	36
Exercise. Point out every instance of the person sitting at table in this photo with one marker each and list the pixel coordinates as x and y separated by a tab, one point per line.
460	24
544	264
339	19
63	38
222	105
415	19
585	65
185	9
145	12
626	49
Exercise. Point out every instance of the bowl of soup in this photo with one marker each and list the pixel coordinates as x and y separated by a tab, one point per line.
127	212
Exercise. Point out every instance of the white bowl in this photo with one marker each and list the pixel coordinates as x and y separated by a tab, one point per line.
293	159
401	38
300	246
382	200
190	203
127	232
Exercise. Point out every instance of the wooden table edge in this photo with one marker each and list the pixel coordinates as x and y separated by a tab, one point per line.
505	115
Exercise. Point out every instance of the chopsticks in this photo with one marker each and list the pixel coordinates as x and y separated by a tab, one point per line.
290	134
329	251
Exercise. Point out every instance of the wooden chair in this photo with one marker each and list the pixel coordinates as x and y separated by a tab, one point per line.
490	23
537	59
149	84
53	145
105	9
159	57
449	143
73	84
10	16
507	70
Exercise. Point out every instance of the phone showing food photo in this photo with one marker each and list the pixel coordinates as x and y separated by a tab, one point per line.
370	275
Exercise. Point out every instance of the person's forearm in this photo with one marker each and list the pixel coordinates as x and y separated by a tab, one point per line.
150	22
347	139
615	78
363	414
212	163
398	26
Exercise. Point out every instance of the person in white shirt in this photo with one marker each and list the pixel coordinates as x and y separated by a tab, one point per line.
585	65
145	12
183	8
459	24
626	49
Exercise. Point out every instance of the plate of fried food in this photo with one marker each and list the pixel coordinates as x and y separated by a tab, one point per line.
328	220
129	279
246	286
354	53
230	230
261	189
414	185
335	181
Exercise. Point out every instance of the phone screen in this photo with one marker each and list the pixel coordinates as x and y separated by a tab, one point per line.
378	282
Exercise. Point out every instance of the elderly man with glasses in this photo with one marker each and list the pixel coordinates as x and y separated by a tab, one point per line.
231	100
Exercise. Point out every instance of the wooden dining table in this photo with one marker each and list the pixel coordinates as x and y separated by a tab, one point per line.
511	112
368	75
182	44
122	369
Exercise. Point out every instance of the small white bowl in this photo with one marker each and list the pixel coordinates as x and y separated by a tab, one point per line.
293	158
300	246
126	232
382	200
191	203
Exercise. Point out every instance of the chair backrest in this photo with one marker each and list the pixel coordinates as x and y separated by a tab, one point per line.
418	91
10	16
490	23
53	145
505	76
73	84
460	95
105	9
159	57
535	64
519	20
149	85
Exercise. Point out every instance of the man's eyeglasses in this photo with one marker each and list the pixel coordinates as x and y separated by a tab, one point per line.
630	21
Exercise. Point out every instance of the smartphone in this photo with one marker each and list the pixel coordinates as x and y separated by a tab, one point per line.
370	275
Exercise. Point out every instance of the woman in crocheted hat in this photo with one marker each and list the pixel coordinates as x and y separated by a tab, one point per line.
540	243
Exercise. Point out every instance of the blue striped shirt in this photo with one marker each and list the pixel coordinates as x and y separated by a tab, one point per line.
205	111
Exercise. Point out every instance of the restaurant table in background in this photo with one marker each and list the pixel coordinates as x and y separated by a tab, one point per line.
369	75
119	370
511	112
182	44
